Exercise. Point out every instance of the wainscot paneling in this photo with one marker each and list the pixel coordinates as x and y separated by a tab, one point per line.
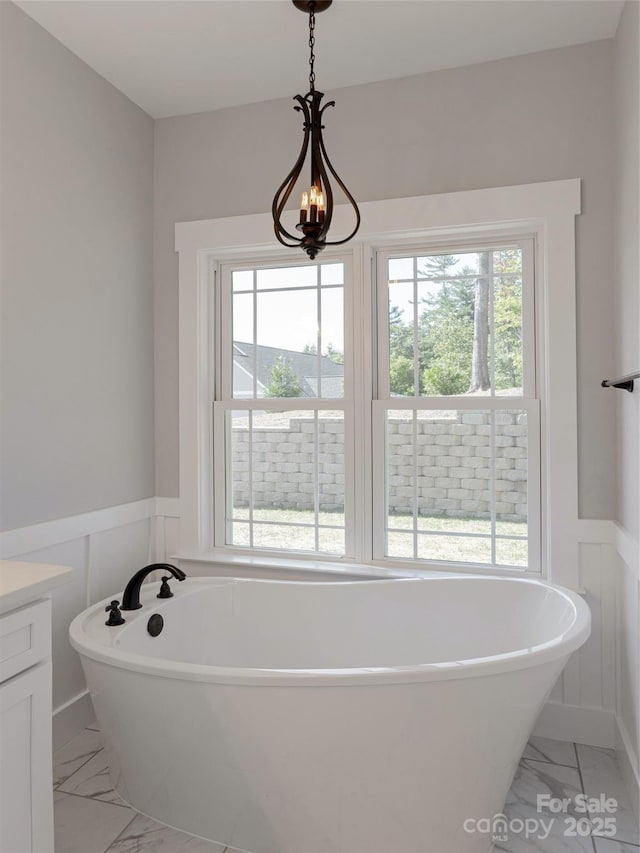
104	548
595	700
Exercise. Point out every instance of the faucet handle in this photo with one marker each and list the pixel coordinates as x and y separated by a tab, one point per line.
115	617
165	589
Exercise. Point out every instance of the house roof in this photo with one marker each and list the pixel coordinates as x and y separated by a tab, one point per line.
307	367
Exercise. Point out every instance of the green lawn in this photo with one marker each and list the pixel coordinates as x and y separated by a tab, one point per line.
439	537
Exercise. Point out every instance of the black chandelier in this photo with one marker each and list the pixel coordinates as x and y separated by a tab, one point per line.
316	206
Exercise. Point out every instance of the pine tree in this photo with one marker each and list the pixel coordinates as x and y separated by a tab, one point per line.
283	382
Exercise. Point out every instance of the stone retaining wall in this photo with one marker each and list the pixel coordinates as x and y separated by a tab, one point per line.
453	458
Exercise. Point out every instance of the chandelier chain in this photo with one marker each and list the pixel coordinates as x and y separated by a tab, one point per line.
312	41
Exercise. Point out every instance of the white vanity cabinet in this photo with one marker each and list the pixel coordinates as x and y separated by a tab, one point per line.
26	795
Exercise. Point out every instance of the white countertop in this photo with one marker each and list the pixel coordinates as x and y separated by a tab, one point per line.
21	583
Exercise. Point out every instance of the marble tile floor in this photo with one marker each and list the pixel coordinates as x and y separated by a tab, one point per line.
90	818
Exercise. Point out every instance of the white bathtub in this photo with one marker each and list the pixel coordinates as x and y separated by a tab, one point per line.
366	717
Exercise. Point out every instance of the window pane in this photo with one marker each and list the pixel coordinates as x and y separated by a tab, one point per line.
288	320
512	552
472	525
455	325
448	266
294	345
332	274
330	461
400	545
243	349
457	481
240	535
306	276
239	481
512	437
401	471
400	268
401	339
286	480
507	261
331	540
242	280
455	549
283	537
331	363
446	333
507	311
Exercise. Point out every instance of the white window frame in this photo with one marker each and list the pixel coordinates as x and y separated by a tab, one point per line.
225	401
545	210
528	401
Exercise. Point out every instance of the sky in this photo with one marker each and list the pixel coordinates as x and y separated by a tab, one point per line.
289	318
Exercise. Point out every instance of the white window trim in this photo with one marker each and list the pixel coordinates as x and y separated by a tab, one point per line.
547	210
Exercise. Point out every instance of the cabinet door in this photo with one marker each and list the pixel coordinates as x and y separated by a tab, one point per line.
26	798
25	638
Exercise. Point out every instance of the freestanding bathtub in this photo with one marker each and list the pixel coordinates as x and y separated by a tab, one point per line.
358	717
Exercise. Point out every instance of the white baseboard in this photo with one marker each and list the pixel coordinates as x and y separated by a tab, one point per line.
72	718
629	765
592	726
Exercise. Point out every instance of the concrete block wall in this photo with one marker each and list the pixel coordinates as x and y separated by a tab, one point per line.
451	454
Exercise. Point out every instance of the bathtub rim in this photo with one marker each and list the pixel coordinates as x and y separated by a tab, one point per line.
560	646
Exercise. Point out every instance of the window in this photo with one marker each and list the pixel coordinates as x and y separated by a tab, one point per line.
406	285
454	423
282	413
456	419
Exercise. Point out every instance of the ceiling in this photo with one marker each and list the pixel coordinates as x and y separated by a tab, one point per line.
174	57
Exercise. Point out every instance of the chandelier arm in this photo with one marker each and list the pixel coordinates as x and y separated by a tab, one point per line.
328	104
294	174
319	177
326	185
351	199
322	172
289	182
295	245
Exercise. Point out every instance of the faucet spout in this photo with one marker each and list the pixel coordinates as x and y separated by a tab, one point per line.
131	596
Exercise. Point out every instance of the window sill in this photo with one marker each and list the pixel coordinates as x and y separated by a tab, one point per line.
338	570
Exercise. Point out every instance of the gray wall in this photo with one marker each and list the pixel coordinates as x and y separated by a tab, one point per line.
627	319
540	117
77	292
627	264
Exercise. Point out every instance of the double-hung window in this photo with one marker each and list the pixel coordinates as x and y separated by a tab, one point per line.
283	431
449	443
406	401
456	419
